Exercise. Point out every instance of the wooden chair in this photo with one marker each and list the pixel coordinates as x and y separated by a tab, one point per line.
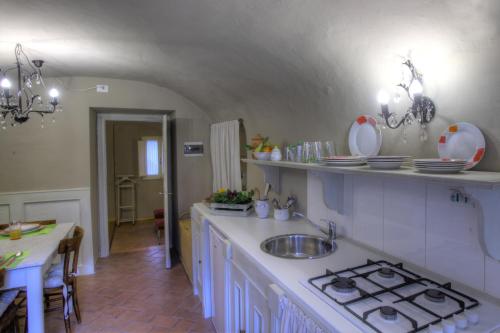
61	284
8	308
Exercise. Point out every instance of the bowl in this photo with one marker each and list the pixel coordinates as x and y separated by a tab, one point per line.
262	156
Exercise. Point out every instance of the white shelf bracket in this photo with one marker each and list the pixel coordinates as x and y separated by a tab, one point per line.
333	190
272	176
488	203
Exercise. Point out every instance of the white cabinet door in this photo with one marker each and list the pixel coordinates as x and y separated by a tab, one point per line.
237	300
258	314
220	268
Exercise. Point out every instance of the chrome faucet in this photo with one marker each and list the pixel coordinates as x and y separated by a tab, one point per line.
332	227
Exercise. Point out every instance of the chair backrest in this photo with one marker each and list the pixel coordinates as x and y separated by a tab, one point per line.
69	248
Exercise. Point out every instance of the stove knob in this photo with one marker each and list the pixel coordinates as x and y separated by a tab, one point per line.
460	321
436	329
448	326
472	317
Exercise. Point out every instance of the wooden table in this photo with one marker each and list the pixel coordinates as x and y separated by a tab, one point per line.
30	272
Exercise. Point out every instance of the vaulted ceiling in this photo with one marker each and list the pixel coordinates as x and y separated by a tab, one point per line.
261	58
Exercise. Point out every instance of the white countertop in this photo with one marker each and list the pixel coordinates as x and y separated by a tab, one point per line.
40	247
248	232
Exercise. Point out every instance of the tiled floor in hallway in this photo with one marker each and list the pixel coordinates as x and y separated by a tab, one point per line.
133	292
132	237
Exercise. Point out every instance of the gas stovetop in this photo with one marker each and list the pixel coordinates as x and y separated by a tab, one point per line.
384	297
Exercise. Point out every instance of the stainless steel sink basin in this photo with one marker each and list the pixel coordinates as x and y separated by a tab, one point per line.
297	246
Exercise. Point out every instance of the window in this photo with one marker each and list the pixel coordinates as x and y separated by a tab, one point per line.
150	157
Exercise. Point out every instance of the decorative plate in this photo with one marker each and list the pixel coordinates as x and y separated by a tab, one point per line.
462	141
365	137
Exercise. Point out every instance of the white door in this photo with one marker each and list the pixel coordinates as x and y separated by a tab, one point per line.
167	196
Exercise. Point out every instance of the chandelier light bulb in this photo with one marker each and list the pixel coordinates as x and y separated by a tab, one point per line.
5	83
54	93
383	97
416	88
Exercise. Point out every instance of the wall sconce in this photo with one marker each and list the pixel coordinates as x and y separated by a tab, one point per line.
421	110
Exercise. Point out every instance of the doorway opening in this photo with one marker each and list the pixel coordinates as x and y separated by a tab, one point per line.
134	169
134	185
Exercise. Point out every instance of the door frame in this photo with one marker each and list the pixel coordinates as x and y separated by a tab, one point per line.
102	175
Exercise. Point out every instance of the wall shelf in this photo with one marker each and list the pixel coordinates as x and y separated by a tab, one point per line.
483	179
482	187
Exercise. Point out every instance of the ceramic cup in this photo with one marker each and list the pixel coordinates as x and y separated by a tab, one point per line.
281	214
262	208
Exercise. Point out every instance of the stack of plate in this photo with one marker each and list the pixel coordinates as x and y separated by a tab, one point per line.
438	165
343	160
386	162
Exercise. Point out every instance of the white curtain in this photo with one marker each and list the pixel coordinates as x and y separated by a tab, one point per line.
225	150
293	320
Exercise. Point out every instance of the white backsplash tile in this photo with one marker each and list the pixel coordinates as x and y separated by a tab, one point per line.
453	247
404	220
415	221
317	210
368	204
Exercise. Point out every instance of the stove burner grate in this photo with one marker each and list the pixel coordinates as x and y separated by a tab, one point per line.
434	295
386	273
388	313
343	285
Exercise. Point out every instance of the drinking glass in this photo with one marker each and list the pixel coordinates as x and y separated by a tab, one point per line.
317	151
15	230
308	152
299	157
328	148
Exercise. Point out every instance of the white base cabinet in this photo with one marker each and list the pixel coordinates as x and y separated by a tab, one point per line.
240	297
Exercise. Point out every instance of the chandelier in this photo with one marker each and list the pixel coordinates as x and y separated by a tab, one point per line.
422	109
17	104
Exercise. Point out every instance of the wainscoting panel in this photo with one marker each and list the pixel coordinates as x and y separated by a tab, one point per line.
4	214
62	211
66	205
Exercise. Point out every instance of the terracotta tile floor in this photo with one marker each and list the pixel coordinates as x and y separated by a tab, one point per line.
133	292
132	237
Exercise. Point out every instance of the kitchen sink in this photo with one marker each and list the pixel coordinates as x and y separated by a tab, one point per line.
298	246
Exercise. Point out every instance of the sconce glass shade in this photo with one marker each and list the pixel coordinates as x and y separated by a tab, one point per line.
415	88
5	83
383	97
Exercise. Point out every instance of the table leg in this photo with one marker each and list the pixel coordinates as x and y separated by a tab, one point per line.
36	323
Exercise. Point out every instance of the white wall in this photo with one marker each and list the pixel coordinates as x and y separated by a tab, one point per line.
59	155
415	221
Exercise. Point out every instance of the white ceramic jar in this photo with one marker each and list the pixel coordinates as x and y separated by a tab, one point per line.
282	214
276	154
262	208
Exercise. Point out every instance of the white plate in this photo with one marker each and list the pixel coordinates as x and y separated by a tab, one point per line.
351	163
365	137
463	141
442	171
26	227
343	158
385	165
438	160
